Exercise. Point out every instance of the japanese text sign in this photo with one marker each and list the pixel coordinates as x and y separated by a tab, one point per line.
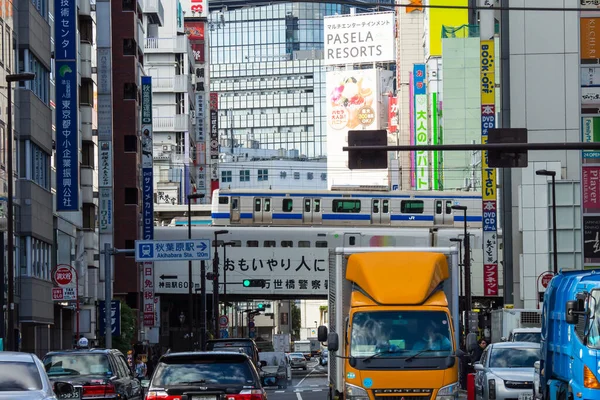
487	72
115	317
65	30
148	293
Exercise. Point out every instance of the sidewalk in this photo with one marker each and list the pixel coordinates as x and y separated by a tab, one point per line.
462	394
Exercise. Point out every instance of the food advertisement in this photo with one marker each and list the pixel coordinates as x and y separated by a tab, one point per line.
350	98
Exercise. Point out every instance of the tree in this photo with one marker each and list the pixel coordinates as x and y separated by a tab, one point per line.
123	342
296	322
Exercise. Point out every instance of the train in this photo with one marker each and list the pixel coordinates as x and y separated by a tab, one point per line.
246	207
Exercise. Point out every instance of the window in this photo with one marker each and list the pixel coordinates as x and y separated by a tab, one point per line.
86	92
131	196
225	176
267	207
411	207
287	243
129	47
257	204
309	176
40	84
303	243
129	5
130	91
130	143
288	205
87	154
321	244
86	29
22	375
296	175
317	205
448	207
42	7
130	244
270	243
40	166
252	243
323	176
263	175
283	174
223	200
386	206
346	206
89	216
245	175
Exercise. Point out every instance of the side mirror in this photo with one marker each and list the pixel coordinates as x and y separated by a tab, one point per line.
478	366
471	341
263	363
322	333
333	341
63	389
460	353
571	316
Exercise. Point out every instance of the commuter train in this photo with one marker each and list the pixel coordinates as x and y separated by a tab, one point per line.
343	208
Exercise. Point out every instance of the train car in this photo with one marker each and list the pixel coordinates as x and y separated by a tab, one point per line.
343	208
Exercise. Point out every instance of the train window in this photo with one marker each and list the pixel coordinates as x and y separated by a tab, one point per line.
252	243
317	204
270	243
234	204
303	243
346	206
257	204
288	205
236	243
321	244
267	205
411	207
223	200
219	243
306	205
438	207
386	206
448	206
375	206
287	243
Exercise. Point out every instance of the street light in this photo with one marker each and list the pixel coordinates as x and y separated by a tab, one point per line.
26	76
191	283
460	257
543	172
466	260
216	282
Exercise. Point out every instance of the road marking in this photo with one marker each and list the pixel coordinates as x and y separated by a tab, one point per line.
314	385
317	390
279	391
298	396
307	375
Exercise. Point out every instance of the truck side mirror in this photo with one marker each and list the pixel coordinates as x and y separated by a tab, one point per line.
333	342
571	316
322	333
471	341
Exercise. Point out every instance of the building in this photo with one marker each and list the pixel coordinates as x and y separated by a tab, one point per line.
168	59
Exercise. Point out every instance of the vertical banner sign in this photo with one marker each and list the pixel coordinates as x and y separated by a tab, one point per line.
195	33
214	150
435	171
67	107
393	115
148	197
411	123
200	144
488	175
421	128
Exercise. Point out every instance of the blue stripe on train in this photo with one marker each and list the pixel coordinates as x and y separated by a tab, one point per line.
419	217
348	217
354	195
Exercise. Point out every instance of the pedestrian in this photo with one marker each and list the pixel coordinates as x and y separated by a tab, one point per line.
140	368
476	355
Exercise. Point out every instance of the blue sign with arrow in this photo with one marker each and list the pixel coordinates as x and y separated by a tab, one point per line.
172	250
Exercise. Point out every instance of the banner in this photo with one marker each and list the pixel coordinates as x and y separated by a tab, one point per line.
421	127
393	115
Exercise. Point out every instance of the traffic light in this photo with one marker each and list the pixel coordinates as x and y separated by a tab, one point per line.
254	283
262	306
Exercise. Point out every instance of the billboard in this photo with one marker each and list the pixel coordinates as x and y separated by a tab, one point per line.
393	115
435	136
353	103
488	175
359	38
421	127
195	33
195	8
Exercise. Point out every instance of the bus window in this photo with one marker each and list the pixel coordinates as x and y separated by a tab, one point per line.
411	207
346	206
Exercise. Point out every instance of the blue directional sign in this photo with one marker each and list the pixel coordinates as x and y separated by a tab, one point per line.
172	250
115	317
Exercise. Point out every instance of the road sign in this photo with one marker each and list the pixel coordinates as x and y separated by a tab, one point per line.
223	320
172	250
63	276
546	278
224	333
63	294
115	317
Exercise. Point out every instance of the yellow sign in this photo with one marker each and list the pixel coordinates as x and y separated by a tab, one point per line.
488	176
487	70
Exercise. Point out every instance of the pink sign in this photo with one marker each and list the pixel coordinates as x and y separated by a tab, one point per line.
591	187
490	280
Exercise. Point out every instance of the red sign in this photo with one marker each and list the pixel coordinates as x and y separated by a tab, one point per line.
214	100
63	276
546	278
591	188
195	33
393	115
490	280
57	293
148	319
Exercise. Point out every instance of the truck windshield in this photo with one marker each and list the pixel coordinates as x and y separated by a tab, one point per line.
400	333
593	338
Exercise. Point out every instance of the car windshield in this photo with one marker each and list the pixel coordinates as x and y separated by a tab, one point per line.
188	371
77	364
514	357
393	333
19	377
593	338
533	337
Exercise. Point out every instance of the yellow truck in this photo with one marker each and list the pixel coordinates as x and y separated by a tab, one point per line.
393	324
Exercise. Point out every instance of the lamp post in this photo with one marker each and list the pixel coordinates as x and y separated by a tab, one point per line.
543	172
26	76
467	260
216	283
460	281
191	283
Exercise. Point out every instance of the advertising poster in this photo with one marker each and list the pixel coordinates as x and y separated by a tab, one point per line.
421	125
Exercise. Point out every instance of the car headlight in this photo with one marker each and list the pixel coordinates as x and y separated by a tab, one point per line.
355	392
449	392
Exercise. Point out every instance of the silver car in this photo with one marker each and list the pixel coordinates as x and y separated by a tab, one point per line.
506	371
22	377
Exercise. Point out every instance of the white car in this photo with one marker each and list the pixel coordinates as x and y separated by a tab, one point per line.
23	377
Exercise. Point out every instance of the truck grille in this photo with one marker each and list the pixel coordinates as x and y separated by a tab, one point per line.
404	397
403	394
518	385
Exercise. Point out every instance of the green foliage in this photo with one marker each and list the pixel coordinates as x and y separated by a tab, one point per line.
296	322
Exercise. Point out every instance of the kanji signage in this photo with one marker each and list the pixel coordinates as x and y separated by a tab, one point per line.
105	171
148	293
115	317
421	127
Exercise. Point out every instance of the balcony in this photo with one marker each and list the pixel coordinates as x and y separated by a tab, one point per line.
140	35
177	84
177	123
175	44
155	11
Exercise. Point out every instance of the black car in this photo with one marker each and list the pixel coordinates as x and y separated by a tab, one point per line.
103	373
235	344
207	376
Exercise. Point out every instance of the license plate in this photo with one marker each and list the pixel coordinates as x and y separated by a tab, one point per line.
204	397
526	396
76	395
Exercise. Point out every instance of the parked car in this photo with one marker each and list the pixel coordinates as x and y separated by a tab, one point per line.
235	344
506	371
102	373
276	369
204	375
22	376
298	361
533	335
323	357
